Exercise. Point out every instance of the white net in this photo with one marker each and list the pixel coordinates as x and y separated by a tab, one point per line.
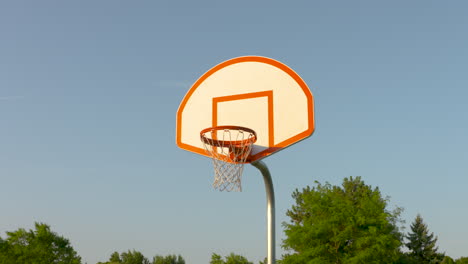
229	148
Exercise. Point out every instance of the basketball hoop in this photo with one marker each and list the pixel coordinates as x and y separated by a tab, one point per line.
229	147
254	92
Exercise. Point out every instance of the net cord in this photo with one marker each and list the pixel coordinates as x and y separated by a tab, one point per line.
229	147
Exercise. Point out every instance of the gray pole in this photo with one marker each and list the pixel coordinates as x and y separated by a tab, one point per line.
270	195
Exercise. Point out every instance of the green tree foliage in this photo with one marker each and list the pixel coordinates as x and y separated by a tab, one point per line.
462	260
341	224
216	259
136	257
5	255
447	260
230	259
169	259
133	257
39	246
115	258
421	244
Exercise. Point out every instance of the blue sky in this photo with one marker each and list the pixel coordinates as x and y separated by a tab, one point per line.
89	92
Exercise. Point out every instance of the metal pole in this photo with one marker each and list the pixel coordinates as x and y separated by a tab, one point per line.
270	195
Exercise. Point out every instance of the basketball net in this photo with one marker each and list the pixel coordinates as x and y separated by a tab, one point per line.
229	147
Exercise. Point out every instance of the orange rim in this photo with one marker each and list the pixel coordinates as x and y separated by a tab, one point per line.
217	142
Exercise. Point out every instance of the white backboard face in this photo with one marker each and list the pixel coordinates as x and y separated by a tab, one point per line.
255	92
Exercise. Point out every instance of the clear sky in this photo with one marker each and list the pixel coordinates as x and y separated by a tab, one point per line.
89	92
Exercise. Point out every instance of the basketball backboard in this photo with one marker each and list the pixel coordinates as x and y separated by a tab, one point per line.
254	92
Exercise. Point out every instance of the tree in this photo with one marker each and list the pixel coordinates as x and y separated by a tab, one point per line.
169	259
5	255
136	257
133	257
216	259
115	258
230	259
39	246
421	244
447	260
462	260
347	224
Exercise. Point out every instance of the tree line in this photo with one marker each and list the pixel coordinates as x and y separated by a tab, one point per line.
328	224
